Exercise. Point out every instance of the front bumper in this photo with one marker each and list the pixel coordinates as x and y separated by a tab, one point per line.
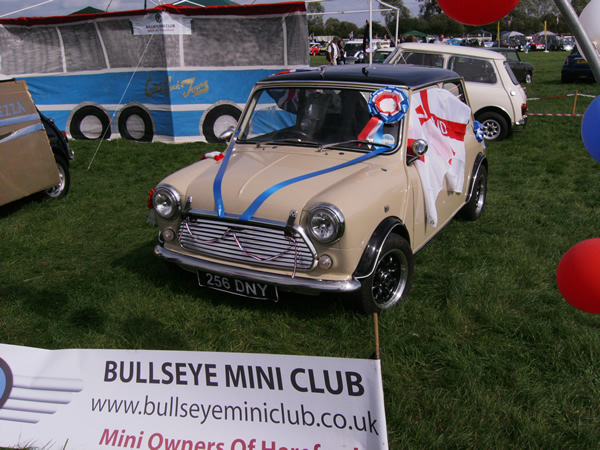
285	283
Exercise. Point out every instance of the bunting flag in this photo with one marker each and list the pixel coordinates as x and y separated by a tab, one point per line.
441	119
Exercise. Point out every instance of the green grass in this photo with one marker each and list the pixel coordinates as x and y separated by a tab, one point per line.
485	353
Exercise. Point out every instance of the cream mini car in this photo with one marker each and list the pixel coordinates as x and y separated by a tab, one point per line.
332	180
498	100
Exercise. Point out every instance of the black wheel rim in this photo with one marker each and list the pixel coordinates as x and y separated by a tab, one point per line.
389	279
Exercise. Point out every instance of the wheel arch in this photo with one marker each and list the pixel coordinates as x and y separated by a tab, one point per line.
390	225
480	160
496	110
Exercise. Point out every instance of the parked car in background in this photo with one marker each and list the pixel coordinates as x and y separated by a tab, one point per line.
332	180
354	51
34	153
518	43
314	49
381	55
576	68
537	43
522	70
567	43
498	100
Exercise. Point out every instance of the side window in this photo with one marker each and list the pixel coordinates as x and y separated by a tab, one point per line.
422	59
473	69
456	88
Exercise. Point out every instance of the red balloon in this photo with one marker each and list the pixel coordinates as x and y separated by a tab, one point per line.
477	12
578	276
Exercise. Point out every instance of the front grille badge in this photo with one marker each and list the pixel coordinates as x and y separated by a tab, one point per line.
289	226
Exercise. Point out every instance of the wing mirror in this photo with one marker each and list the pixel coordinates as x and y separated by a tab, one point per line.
418	148
226	135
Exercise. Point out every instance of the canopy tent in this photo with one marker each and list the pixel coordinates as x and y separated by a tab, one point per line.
510	34
542	33
170	73
415	33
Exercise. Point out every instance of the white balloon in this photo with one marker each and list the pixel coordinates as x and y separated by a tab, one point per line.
590	21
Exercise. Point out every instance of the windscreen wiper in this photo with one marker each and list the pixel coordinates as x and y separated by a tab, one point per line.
353	141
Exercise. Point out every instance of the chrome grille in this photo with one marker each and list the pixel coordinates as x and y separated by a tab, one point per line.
250	244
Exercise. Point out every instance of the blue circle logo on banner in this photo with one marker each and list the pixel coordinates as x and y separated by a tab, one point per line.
6	382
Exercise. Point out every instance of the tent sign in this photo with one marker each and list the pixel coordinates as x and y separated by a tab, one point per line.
161	400
161	23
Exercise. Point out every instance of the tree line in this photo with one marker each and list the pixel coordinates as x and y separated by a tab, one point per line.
529	17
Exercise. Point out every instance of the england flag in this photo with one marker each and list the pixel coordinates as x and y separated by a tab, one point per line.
441	119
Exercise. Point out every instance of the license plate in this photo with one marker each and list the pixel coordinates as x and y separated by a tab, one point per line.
582	61
250	289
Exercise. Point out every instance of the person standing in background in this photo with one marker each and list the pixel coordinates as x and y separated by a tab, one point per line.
334	51
342	55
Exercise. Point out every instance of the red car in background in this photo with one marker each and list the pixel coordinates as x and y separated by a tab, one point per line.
314	49
537	44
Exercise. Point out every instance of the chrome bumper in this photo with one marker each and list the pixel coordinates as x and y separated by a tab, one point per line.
520	125
285	283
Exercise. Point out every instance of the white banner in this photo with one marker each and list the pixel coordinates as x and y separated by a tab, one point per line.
161	23
169	400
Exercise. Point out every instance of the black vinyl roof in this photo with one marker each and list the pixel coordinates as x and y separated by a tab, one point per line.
392	74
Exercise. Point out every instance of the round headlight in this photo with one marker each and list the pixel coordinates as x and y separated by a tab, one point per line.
166	201
325	223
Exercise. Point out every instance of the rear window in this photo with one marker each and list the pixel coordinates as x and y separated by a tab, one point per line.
511	74
473	69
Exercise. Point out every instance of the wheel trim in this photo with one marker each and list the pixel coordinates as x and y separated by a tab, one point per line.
55	191
479	195
389	279
492	129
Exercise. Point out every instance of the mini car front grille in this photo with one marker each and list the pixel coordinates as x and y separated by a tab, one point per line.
249	244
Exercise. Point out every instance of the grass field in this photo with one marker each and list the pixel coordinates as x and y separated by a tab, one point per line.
484	354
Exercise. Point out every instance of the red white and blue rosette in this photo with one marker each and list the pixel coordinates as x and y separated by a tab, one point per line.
390	104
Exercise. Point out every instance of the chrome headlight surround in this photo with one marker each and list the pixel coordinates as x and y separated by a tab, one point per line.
325	223
166	201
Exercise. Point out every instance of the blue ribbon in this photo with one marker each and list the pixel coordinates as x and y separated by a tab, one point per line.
219	178
266	194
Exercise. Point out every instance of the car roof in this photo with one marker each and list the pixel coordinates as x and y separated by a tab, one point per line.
401	75
451	49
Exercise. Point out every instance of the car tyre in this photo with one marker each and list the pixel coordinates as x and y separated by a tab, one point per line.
217	120
90	114
528	77
494	125
62	188
129	122
473	209
391	279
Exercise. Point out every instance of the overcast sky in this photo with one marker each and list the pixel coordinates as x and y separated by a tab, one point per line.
38	8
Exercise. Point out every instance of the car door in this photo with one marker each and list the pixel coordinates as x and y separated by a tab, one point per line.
440	117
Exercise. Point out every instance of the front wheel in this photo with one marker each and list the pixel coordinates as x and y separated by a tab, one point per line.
62	188
391	280
528	78
473	209
495	126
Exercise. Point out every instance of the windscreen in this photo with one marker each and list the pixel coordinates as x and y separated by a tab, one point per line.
316	117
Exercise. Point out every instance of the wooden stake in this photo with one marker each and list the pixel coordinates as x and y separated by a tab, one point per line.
575	102
376	324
